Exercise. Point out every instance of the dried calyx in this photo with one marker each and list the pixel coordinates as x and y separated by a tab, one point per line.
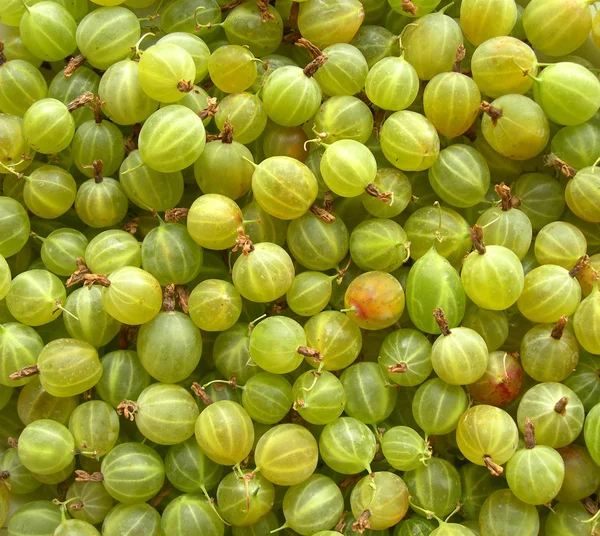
3	59
210	110
529	433
314	354
243	242
492	111
398	368
201	393
507	201
25	372
83	275
175	215
97	167
185	86
226	135
373	191
409	7
83	476
80	101
362	523
561	406
493	467
557	331
128	409
461	52
322	213
265	14
582	263
131	141
319	58
476	234
441	320
73	64
560	165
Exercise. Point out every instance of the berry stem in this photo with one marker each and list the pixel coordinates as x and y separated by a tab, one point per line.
476	233
128	409
529	433
557	331
25	372
492	111
561	406
493	468
74	63
80	101
442	321
507	201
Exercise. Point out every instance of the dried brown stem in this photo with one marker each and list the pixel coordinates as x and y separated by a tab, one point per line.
174	215
293	18
183	296
25	372
373	191
243	242
349	481
231	5
313	50
128	409
492	111
132	226
169	298
560	165
398	368
80	101
341	524
507	201
185	86
227	132
97	166
322	214
315	65
461	52
592	507
313	353
362	523
200	392
76	506
529	433
210	110
442	321
164	491
128	336
378	119
300	403
582	262
74	63
476	234
78	275
409	7
557	331
278	306
4	476
493	468
131	141
83	476
265	14
561	406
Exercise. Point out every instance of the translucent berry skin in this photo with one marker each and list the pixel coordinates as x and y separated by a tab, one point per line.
375	300
501	382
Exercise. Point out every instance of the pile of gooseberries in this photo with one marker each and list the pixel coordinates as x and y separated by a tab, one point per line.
301	267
